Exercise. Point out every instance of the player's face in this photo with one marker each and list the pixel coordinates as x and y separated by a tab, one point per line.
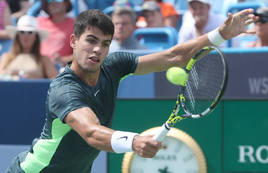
91	49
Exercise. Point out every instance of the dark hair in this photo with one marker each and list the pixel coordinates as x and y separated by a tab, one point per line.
68	7
93	18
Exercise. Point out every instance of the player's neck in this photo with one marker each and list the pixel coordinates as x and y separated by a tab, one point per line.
90	78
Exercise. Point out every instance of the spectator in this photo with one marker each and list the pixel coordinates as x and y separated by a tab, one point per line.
18	7
24	59
198	20
168	12
261	28
57	46
124	19
152	14
5	19
79	6
171	17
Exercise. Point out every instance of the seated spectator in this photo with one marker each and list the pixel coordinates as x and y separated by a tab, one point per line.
79	6
198	20
152	13
261	28
171	17
168	12
18	7
60	27
124	19
5	19
24	59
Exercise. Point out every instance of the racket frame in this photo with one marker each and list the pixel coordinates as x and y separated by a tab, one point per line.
180	102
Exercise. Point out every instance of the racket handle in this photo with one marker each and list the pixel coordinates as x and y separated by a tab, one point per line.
162	132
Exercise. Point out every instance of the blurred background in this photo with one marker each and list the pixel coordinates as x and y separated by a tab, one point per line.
233	138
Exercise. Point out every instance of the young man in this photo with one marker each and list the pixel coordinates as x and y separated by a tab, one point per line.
81	100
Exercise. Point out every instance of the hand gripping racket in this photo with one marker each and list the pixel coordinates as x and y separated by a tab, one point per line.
201	90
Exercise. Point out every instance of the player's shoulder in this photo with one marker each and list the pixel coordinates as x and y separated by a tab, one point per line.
117	55
65	79
119	58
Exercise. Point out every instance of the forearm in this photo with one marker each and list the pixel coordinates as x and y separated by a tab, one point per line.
177	55
87	125
99	137
183	52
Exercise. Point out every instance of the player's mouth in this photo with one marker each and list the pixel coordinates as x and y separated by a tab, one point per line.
94	59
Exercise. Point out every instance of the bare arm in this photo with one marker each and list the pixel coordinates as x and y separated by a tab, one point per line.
87	125
175	56
7	21
180	54
85	122
49	68
23	10
63	60
3	63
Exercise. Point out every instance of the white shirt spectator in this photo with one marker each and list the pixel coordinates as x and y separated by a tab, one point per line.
187	30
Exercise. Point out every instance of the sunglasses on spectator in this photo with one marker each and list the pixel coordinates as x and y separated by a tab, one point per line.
51	1
262	19
28	32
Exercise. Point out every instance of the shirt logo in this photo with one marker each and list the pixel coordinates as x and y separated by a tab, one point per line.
97	92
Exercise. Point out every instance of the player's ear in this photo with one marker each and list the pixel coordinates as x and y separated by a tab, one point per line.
73	40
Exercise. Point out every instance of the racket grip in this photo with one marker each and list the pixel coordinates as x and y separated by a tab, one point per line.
162	132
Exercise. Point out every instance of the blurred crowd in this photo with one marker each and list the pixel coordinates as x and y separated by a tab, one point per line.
37	31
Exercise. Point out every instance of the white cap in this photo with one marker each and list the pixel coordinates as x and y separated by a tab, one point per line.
26	23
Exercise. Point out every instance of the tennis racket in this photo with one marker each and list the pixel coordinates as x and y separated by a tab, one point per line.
201	90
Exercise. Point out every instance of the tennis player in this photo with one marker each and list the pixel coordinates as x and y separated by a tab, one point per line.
81	100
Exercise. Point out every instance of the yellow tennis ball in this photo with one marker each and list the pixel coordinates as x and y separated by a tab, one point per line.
176	75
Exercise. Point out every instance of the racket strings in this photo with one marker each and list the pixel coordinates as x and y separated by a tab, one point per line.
205	83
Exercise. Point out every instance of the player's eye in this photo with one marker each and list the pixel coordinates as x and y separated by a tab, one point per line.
106	44
92	41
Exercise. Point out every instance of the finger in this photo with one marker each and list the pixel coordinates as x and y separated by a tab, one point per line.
229	19
154	147
147	153
250	16
252	31
245	12
249	21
